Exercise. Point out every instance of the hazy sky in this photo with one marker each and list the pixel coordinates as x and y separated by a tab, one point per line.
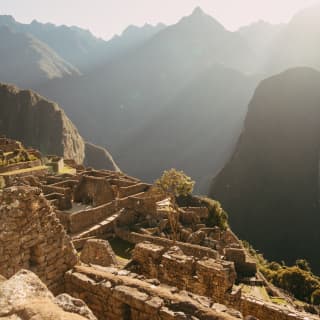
107	17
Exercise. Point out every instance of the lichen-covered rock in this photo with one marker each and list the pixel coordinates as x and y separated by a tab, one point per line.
70	304
25	297
98	251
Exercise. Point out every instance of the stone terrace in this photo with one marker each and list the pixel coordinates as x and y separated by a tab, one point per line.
89	202
194	273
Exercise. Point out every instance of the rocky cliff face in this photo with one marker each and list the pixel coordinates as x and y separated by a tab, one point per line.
27	61
99	158
37	122
270	187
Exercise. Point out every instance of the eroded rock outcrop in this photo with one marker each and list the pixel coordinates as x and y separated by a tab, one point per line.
99	157
37	122
25	297
42	124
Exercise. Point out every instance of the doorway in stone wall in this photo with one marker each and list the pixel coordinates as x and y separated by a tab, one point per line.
34	257
126	312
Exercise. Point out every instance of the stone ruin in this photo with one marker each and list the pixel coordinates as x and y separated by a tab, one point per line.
99	252
32	237
9	145
196	273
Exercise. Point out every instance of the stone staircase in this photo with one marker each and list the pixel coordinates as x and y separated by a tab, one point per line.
99	230
99	221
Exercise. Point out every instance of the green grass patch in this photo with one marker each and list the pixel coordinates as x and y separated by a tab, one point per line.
278	300
67	169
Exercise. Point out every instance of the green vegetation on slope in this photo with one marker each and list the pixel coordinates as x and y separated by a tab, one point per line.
297	280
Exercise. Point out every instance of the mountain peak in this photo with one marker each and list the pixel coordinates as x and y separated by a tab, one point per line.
198	12
7	20
199	18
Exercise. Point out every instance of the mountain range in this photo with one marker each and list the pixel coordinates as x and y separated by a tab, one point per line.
146	77
26	61
137	89
78	46
177	96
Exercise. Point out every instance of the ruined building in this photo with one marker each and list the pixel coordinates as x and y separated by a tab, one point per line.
57	224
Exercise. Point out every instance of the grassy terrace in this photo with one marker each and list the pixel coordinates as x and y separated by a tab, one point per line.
257	292
67	169
22	171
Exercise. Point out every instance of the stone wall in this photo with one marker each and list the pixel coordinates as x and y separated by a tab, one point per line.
208	277
144	203
191	215
245	266
57	164
60	201
133	189
9	145
95	190
98	252
20	166
113	295
85	218
31	237
187	248
47	189
269	311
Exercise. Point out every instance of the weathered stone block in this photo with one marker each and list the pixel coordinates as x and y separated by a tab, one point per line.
98	251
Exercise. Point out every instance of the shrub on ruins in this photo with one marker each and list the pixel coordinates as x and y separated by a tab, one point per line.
217	216
303	264
175	182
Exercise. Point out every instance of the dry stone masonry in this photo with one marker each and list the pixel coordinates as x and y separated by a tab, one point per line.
32	237
179	269
99	252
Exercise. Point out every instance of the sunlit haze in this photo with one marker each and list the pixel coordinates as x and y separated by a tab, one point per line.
108	17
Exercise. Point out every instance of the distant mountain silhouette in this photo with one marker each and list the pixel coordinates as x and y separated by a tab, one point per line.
197	130
118	99
261	36
270	187
298	43
37	122
130	38
26	61
78	46
73	44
